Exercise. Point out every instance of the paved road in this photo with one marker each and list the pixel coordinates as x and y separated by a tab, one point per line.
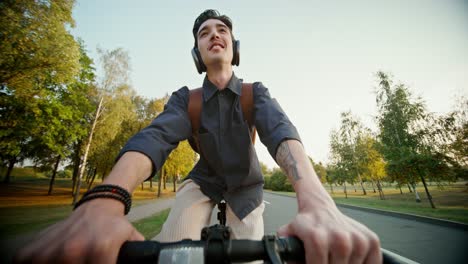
421	242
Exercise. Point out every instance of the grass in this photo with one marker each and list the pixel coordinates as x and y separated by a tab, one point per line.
25	206
451	201
149	227
25	219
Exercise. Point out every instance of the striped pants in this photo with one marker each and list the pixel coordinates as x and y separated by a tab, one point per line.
192	211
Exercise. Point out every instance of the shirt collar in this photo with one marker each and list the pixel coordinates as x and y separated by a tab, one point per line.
209	89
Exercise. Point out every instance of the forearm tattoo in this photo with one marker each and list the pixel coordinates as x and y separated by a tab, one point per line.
287	162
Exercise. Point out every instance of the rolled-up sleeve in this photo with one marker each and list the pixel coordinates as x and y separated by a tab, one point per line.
165	132
272	123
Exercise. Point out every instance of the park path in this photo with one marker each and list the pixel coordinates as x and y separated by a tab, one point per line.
148	209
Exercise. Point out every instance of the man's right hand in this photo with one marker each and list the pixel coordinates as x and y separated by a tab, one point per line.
93	233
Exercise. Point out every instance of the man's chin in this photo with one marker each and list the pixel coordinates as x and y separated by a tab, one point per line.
215	60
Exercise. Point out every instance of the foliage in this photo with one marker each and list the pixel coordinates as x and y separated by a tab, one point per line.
397	117
41	100
35	45
320	170
181	160
345	156
265	171
370	162
64	174
117	120
279	182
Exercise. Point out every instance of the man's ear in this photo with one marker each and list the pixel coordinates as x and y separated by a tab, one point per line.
235	52
197	59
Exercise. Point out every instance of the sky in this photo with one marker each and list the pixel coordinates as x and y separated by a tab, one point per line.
317	58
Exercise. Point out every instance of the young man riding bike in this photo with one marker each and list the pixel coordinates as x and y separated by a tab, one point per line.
228	170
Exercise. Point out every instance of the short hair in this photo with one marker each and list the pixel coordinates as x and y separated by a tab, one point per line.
210	14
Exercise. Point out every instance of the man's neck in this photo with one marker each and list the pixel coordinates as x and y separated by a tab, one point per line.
220	76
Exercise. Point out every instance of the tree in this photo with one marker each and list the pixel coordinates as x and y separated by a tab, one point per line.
279	181
265	170
351	132
370	161
35	40
115	106
452	131
339	168
400	134
84	97
37	57
320	170
179	162
345	156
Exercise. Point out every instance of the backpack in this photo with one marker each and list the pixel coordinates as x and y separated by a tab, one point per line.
195	107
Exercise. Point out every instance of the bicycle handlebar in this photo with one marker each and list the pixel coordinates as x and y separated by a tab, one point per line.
270	249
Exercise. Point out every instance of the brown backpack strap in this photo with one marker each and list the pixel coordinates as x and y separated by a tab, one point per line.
195	108
194	111
247	103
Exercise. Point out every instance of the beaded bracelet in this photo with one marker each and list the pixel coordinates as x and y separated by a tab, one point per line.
107	191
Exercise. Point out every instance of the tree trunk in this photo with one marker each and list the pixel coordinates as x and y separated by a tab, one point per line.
362	185
418	199
164	180
401	191
161	172
381	193
373	186
89	175
76	164
409	188
104	172
83	165
92	178
331	187
51	184
151	183
427	191
174	183
11	165
142	186
345	192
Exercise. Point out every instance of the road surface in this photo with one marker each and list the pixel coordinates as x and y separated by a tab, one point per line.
418	241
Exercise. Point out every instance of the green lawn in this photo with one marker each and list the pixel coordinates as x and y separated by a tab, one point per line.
25	206
458	214
149	227
451	201
24	219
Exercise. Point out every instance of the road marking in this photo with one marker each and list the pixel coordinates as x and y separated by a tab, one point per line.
266	202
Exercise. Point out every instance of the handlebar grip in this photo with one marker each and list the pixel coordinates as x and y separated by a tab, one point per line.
291	249
139	252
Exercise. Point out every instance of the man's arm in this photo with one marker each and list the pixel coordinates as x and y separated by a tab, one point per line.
95	231
327	234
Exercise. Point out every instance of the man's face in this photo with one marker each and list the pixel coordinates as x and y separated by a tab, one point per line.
215	42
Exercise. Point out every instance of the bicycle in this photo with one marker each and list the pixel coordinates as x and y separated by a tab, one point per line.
216	246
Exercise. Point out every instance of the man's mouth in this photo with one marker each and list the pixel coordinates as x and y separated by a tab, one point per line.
216	45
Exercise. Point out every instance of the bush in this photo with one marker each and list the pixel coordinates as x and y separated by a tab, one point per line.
278	180
64	174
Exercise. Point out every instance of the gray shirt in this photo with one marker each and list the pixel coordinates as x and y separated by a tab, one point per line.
229	168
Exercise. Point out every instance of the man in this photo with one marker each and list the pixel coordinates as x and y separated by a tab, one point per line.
228	169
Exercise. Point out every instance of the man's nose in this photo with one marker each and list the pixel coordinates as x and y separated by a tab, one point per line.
214	35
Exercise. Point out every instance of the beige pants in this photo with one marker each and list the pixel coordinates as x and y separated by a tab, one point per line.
192	211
